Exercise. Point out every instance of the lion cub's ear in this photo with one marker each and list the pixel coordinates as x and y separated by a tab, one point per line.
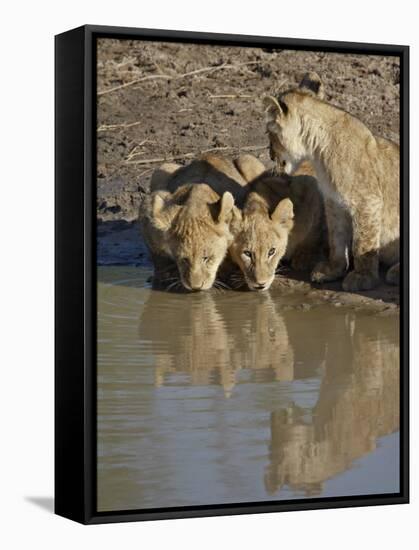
283	213
236	221
272	107
313	85
162	214
221	209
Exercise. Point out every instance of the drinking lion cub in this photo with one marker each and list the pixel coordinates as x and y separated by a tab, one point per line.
282	219
358	174
191	219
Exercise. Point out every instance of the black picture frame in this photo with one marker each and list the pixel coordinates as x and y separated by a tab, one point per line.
75	274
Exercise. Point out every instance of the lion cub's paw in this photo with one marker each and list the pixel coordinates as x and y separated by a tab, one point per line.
356	280
325	272
393	275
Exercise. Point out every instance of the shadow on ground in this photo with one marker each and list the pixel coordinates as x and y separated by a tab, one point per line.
119	243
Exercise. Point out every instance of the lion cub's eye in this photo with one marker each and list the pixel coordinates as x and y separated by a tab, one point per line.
206	259
247	253
271	252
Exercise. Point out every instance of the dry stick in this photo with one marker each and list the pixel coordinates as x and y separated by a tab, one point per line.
150	77
174	77
129	60
160	159
105	127
144	172
134	152
192	155
232	96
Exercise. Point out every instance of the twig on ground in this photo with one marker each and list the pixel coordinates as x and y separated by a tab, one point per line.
135	151
126	62
106	127
160	159
176	77
132	82
144	172
231	96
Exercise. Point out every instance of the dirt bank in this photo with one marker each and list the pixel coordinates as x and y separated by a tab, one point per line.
193	98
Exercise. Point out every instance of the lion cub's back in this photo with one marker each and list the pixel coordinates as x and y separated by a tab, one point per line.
220	173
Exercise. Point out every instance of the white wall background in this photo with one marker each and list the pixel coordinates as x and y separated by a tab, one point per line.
26	271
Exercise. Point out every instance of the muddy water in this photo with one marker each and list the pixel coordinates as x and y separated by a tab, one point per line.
236	397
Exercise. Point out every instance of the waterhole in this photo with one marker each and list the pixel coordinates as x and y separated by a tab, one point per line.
233	397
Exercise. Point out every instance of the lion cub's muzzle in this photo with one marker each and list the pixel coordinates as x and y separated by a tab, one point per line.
259	287
260	284
196	282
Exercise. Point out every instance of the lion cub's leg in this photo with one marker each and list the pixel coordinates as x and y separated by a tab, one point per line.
366	222
339	235
393	275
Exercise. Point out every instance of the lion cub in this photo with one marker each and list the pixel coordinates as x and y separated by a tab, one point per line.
283	218
190	227
358	174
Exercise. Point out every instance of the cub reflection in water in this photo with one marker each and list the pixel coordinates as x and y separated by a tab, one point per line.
354	358
212	337
358	403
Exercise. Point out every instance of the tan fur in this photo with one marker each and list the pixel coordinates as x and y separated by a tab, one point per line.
220	173
249	167
191	228
358	174
282	218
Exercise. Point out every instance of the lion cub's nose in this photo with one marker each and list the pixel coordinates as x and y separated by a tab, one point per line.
260	286
197	287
